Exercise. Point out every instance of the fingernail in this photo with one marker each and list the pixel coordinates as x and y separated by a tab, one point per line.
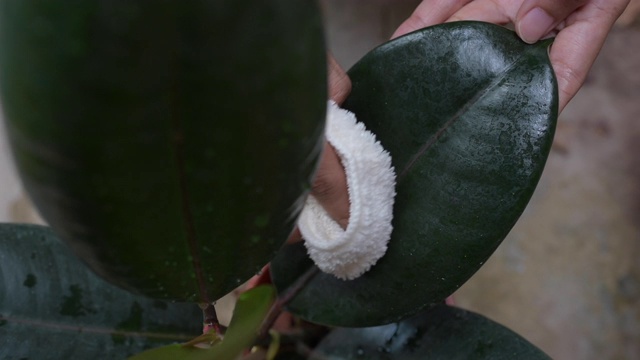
535	24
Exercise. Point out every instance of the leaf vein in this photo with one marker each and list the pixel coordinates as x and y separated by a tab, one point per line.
470	103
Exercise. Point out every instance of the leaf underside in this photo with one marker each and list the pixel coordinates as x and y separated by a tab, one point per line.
443	332
53	307
467	112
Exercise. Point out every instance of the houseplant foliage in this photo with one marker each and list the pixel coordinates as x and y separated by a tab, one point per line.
467	111
442	332
53	307
251	309
139	128
171	143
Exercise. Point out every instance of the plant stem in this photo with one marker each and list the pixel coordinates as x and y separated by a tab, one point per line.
284	299
210	319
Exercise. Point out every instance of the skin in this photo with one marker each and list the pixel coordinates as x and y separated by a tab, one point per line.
580	28
330	184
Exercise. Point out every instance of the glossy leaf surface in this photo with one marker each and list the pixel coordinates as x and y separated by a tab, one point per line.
444	332
251	309
52	307
171	142
468	112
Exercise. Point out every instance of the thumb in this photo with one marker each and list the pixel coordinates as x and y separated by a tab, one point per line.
536	18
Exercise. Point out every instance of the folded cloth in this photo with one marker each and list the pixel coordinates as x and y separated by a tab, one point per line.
349	253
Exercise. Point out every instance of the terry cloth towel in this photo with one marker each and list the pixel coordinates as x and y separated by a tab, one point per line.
349	253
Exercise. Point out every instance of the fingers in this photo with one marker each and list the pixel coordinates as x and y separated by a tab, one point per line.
295	236
484	10
329	189
339	82
429	12
578	44
536	18
572	58
330	186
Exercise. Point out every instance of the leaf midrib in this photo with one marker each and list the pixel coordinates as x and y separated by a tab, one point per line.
463	110
93	329
177	145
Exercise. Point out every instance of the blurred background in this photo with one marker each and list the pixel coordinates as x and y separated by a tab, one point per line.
567	277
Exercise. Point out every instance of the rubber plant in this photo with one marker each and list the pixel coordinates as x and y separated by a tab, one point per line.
170	146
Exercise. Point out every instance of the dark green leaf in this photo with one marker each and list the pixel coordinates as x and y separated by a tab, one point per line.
468	112
443	332
251	309
52	307
171	142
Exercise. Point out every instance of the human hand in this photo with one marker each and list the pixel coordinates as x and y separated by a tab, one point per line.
330	184
580	27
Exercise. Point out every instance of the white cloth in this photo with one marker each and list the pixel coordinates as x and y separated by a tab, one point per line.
349	253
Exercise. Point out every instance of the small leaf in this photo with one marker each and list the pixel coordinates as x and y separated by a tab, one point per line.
251	309
443	332
173	352
170	143
52	307
468	112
